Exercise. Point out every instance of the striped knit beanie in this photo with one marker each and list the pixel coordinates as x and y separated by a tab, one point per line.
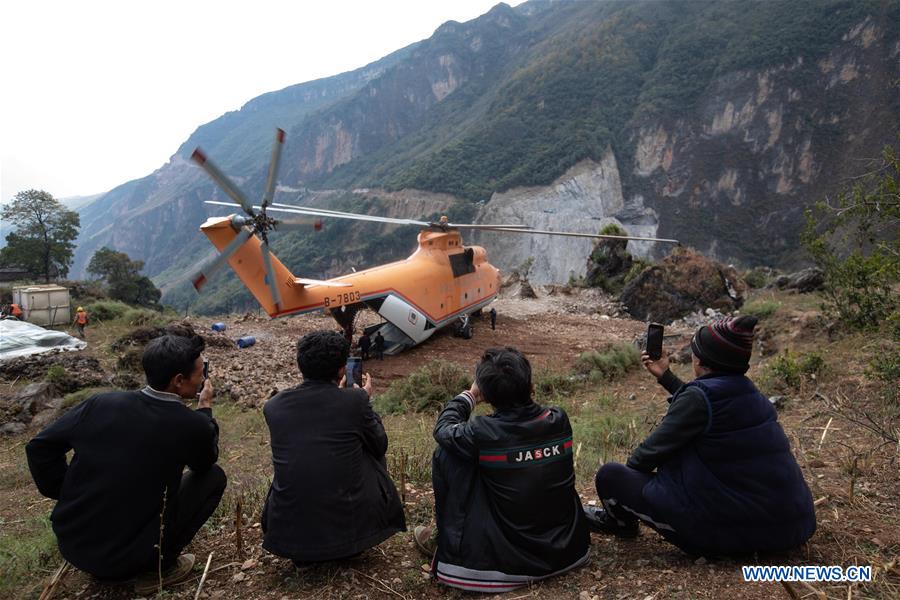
725	345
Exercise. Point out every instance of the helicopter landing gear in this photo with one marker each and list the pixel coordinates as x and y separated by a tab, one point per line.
464	328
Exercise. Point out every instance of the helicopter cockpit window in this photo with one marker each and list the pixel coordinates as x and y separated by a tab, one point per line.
463	263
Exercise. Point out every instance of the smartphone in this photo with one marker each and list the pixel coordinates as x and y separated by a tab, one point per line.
205	369
354	371
654	340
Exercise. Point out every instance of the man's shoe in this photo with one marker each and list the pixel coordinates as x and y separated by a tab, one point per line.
425	540
600	521
181	570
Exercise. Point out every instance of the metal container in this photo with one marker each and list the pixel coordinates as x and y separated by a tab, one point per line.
218	326
44	305
246	341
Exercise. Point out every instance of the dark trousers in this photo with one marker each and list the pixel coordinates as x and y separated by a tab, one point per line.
198	496
621	489
453	481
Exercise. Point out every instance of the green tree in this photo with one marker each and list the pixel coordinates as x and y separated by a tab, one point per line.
123	277
43	240
854	240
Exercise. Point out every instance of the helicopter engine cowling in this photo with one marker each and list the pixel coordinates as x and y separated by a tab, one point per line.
407	318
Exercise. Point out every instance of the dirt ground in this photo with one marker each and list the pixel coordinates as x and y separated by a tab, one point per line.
851	470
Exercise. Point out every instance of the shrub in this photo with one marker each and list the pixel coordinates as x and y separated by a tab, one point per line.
786	372
57	375
637	267
855	242
109	310
609	364
425	390
761	309
757	277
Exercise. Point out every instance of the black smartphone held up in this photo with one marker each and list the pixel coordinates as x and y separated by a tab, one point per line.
354	371
654	340
205	369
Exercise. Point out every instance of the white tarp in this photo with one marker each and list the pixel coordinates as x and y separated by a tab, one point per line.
18	338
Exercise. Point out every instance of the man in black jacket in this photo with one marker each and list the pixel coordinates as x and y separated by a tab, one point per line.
127	471
504	485
331	496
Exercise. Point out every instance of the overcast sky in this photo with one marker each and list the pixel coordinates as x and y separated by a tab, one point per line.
96	93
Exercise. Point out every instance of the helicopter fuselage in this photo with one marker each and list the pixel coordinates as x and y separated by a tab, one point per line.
442	281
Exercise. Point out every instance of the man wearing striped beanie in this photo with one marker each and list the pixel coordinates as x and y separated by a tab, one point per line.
716	477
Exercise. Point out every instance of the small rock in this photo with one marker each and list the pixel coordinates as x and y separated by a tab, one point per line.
817	463
249	564
584	595
396	581
12	428
777	401
237	577
700	561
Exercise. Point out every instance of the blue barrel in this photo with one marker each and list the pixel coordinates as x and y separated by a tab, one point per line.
218	326
246	341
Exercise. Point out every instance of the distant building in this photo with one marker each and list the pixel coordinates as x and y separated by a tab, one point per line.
13	274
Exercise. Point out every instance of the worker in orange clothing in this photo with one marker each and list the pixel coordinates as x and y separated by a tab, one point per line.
16	311
81	321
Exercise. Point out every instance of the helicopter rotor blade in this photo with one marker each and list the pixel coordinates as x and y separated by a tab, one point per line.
222	180
207	272
273	168
584	235
299	225
342	215
487	226
270	276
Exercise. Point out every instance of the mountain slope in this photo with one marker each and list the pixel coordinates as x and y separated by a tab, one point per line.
731	115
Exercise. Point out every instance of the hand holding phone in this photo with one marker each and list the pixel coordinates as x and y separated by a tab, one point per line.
353	374
654	341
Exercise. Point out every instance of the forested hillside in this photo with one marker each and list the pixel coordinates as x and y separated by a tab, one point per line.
734	114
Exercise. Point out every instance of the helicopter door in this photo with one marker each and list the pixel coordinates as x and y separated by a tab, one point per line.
406	318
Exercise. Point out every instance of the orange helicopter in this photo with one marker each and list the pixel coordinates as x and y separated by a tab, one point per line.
440	284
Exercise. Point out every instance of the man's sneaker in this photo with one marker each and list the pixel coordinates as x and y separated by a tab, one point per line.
600	521
181	570
425	540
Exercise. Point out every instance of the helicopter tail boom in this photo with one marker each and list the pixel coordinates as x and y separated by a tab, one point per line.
248	262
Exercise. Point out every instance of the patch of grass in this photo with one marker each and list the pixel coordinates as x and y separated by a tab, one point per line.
77	397
424	390
602	436
609	364
761	309
107	310
144	317
550	386
23	555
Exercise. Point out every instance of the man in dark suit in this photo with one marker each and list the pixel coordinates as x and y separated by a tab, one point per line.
331	496
128	470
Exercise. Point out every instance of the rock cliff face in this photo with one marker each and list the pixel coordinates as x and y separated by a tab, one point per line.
733	178
587	197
